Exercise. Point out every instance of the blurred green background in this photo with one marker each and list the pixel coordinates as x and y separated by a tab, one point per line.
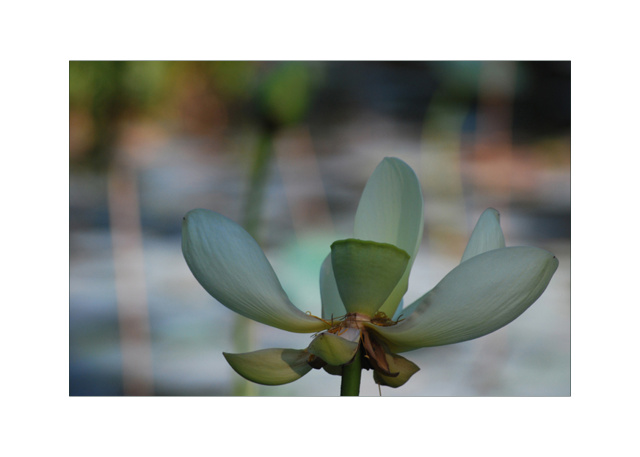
285	149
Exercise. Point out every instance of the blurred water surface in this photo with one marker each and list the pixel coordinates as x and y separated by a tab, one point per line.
477	134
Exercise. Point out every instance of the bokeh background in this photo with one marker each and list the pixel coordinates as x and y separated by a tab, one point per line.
285	148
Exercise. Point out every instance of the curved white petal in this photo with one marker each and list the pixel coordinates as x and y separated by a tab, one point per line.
332	306
336	349
390	211
477	297
271	367
397	364
486	236
230	265
366	273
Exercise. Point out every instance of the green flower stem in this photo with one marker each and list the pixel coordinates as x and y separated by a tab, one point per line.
351	375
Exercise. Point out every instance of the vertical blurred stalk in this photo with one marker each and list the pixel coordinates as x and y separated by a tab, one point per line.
282	99
257	181
441	168
107	100
128	257
298	167
494	143
243	328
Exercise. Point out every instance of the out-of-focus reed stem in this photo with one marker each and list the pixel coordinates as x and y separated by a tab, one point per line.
128	258
243	328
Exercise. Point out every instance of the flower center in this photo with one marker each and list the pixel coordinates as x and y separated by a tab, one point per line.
352	327
355	320
351	320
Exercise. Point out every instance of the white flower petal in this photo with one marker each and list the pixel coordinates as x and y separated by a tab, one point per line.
366	273
230	265
397	364
390	211
271	367
477	297
332	306
335	349
486	236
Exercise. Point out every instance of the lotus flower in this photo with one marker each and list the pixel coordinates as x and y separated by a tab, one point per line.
362	281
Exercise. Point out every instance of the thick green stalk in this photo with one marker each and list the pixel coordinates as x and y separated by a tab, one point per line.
351	375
